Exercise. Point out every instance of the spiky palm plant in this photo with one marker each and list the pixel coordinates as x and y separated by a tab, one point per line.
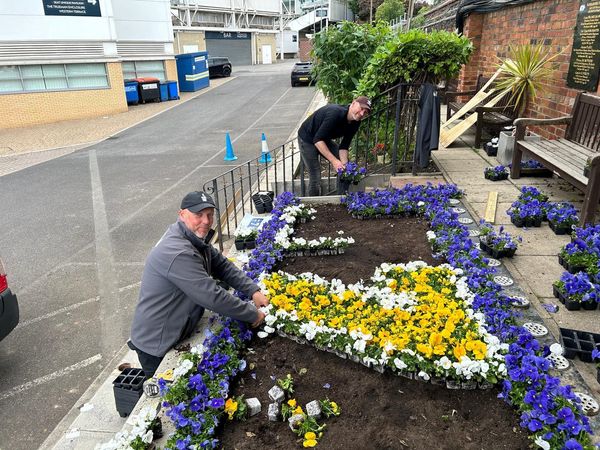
524	73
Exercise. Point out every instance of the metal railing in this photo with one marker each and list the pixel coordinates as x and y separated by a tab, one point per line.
390	131
391	124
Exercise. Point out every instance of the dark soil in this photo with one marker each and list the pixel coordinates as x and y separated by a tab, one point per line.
377	241
379	411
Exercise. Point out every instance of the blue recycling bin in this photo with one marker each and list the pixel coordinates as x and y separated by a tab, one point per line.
173	91
192	71
131	92
164	92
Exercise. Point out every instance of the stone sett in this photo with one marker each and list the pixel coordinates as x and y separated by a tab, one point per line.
313	409
253	405
276	394
273	412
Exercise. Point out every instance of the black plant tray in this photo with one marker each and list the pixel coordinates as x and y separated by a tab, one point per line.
503	176
580	343
490	150
498	254
128	388
559	229
537	172
571	268
527	222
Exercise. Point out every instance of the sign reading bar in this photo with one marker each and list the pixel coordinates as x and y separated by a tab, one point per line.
72	8
226	35
585	57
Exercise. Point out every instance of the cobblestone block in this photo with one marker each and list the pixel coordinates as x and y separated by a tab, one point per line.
273	412
253	406
313	409
276	394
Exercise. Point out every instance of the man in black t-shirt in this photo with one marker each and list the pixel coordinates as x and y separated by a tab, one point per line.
316	134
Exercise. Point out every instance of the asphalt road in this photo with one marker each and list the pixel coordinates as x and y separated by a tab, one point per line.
75	232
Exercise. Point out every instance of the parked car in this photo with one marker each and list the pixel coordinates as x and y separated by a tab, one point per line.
9	308
219	67
301	73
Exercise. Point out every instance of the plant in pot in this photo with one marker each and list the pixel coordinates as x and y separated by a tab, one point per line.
497	244
577	291
351	174
526	214
246	239
379	153
596	357
561	217
578	256
496	173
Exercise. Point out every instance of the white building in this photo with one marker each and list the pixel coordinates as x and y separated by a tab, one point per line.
66	59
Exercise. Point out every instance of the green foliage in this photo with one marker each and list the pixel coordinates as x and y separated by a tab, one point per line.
341	55
419	20
390	10
286	384
415	57
524	73
354	7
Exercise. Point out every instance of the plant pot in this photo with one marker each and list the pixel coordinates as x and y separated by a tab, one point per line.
572	305
498	177
559	228
574	268
343	186
491	149
128	388
249	245
526	222
505	253
585	350
570	348
557	294
239	244
381	159
589	306
541	172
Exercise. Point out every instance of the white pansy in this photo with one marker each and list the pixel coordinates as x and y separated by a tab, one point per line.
268	329
544	445
400	365
556	349
445	363
424	375
262	334
183	368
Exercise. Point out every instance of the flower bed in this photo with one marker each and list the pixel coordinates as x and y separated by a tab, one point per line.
413	318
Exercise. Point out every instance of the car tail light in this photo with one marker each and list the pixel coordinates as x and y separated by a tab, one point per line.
3	280
3	283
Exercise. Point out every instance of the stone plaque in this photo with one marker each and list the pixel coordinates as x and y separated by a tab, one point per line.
585	57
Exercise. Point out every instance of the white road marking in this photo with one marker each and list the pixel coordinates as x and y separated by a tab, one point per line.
70	307
46	378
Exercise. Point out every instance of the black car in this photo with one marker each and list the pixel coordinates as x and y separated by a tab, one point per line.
219	67
301	73
9	308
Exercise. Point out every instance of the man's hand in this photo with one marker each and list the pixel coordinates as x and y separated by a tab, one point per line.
261	317
260	299
338	165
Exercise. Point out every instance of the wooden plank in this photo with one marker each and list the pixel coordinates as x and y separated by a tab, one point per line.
449	135
480	96
490	209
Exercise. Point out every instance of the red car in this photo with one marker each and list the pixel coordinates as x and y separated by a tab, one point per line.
9	308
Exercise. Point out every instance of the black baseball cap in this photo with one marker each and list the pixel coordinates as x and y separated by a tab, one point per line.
197	201
364	102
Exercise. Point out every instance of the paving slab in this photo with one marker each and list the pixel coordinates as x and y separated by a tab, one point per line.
501	217
478	193
540	241
454	153
539	271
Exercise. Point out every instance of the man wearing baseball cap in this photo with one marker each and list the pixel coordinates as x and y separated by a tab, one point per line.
316	134
180	281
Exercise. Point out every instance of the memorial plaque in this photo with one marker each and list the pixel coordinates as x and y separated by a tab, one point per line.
585	57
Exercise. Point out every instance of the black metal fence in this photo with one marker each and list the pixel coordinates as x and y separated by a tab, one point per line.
385	143
387	137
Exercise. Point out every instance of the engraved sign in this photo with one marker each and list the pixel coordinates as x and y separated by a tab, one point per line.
585	57
72	8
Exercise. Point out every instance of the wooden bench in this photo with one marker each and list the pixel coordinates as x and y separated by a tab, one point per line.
568	156
492	119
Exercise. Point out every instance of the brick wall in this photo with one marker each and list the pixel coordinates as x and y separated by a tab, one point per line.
20	110
550	22
304	48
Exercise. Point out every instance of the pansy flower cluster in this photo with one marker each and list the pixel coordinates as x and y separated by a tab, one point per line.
410	317
196	400
530	164
495	173
500	240
352	173
583	251
562	214
578	287
562	421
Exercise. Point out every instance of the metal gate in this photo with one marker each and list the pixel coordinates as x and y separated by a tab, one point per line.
236	46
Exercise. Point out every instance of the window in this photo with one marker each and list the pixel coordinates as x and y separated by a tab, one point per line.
294	38
52	77
143	69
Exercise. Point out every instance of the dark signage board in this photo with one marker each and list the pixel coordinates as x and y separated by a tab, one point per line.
584	67
227	35
72	8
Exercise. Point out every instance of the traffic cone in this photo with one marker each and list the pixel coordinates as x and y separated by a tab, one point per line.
229	156
266	156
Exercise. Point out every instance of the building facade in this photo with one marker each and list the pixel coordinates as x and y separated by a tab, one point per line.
62	60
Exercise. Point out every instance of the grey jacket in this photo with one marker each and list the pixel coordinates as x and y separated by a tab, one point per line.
178	284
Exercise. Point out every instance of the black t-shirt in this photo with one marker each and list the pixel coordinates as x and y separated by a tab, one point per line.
327	123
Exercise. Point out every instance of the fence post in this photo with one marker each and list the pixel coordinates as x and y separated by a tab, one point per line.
219	223
396	129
